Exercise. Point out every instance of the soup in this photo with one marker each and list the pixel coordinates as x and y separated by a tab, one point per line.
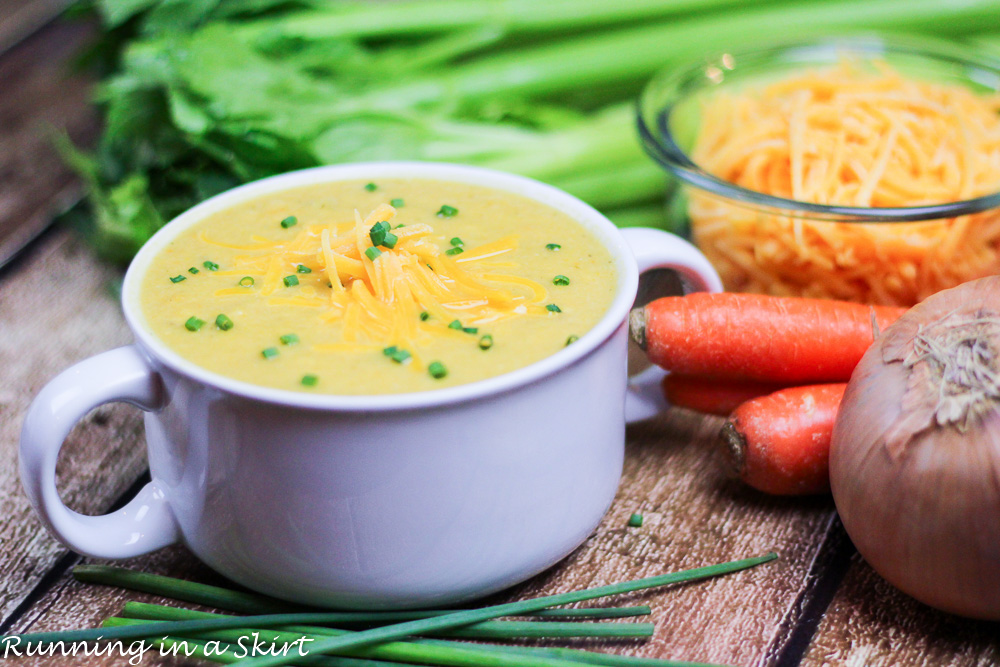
400	285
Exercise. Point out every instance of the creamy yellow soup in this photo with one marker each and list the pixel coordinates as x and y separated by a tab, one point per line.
400	285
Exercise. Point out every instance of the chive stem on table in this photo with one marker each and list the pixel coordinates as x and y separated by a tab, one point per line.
254	603
388	632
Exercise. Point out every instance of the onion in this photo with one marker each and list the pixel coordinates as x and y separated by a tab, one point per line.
915	455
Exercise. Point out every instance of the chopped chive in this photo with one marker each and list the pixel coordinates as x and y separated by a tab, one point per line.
289	339
486	342
572	339
177	279
396	203
371	187
291	281
447	211
223	322
290	221
193	323
246	281
389	351
211	266
455	324
193	271
390	240
437	370
470	330
309	380
372	253
457	241
552	246
400	225
553	308
302	268
635	520
377	232
269	352
424	316
560	280
399	355
453	251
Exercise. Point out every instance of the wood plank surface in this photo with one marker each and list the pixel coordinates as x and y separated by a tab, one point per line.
872	624
693	515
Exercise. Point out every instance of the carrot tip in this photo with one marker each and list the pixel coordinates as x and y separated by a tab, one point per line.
637	326
735	445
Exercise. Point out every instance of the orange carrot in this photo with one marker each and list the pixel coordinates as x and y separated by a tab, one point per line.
714	397
780	443
784	340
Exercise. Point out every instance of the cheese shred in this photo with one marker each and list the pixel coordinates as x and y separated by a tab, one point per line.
850	136
378	302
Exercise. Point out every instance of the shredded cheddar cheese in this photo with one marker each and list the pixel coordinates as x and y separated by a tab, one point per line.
852	136
378	302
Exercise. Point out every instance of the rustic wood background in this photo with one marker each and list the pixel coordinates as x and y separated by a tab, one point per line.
819	604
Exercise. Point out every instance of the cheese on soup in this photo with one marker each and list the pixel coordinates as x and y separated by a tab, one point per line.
375	288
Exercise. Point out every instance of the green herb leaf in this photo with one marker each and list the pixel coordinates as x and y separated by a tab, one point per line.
377	232
635	520
399	356
371	187
552	246
309	380
246	281
390	240
178	278
453	251
289	339
223	322
269	352
193	271
447	211
571	340
291	281
486	342
396	203
437	370
553	308
290	221
455	241
193	323
373	253
211	266
470	330
560	280
455	324
424	316
302	268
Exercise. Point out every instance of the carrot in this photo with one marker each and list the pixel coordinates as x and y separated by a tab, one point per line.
780	443
784	340
714	397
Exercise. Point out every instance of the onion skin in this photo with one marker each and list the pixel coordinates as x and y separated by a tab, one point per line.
924	511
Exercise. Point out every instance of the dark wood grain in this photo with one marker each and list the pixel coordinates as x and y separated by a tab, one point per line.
41	95
871	623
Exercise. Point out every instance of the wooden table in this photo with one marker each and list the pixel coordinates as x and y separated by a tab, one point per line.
819	604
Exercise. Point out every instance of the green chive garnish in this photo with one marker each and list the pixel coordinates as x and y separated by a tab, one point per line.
269	352
572	339
223	322
372	253
552	246
193	323
437	370
289	339
211	266
371	187
399	356
389	351
635	520
290	221
453	251
396	203
302	268
177	279
455	324
424	316
400	225
447	211
457	241
470	330
291	281
553	308
390	240
560	280
246	281
193	271
309	380
486	342
377	232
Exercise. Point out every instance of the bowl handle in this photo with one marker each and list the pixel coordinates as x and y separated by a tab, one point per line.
656	249
146	523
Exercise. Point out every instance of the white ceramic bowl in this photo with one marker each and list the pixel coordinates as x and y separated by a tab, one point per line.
402	500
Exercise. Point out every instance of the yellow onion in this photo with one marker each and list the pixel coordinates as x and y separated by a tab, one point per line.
915	455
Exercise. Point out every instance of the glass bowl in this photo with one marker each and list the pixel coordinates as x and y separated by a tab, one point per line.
776	245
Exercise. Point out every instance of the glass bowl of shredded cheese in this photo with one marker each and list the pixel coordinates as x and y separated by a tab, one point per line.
865	169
